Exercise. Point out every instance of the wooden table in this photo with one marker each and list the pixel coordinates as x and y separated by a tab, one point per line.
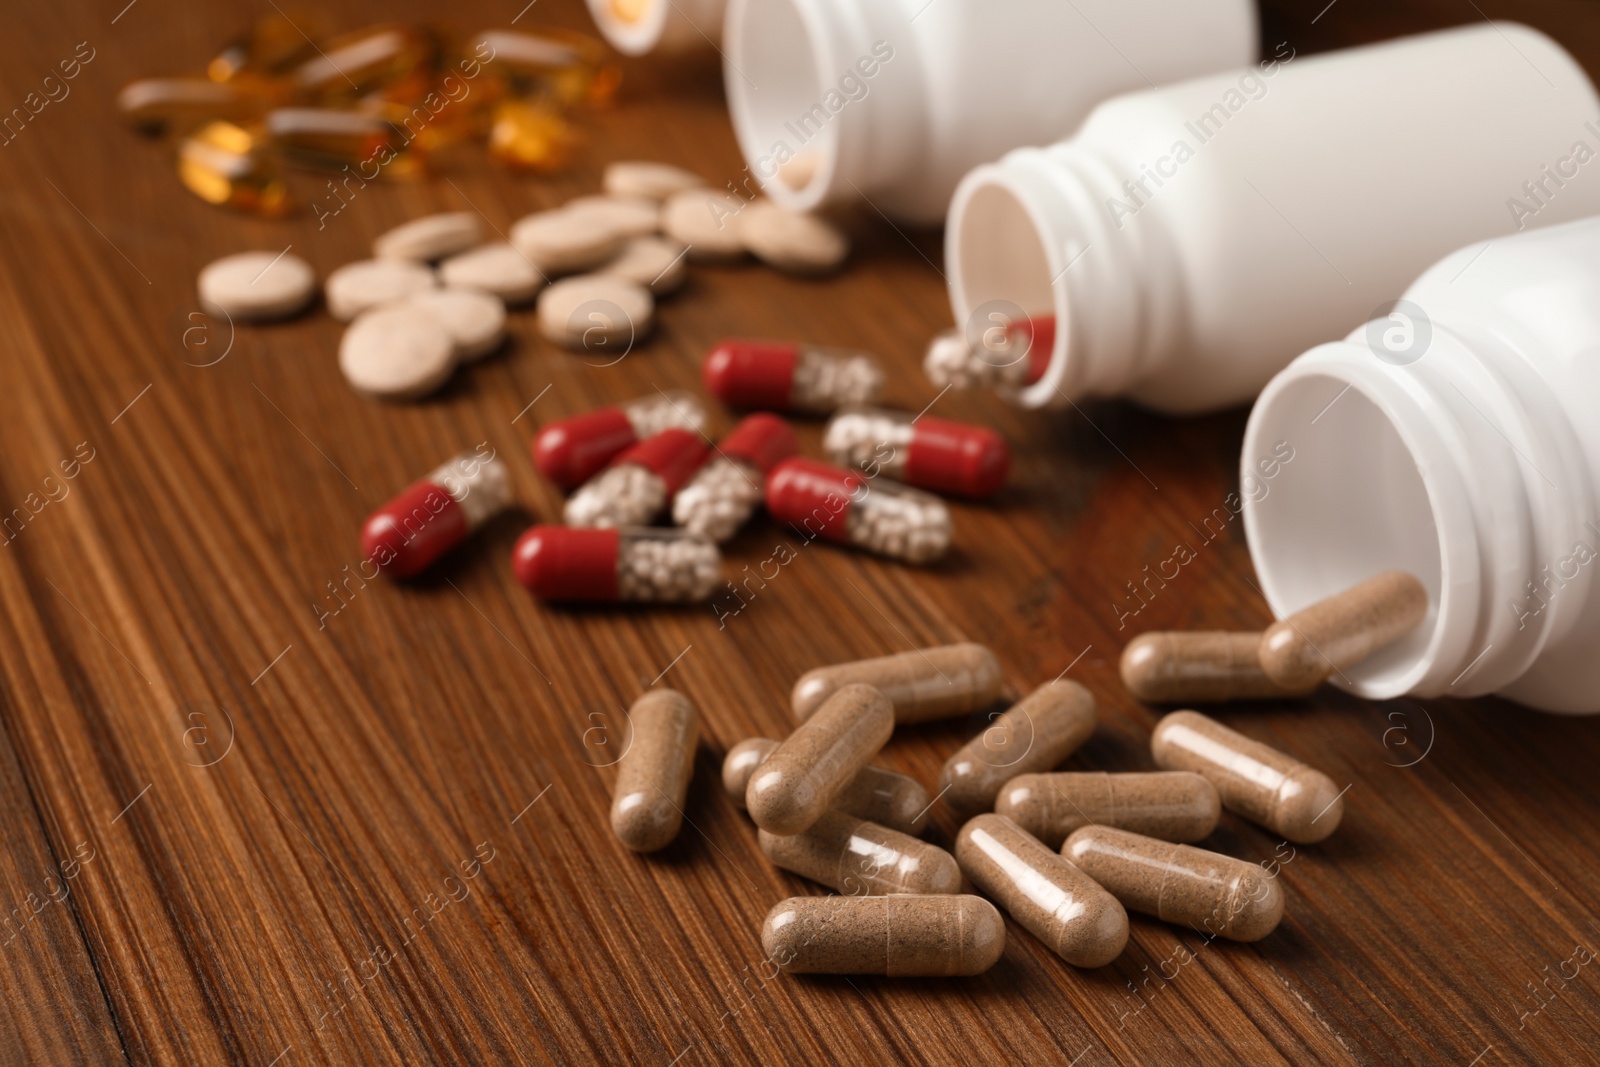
257	811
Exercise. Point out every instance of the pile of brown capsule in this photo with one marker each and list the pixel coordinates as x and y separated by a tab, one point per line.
384	100
1289	659
1065	854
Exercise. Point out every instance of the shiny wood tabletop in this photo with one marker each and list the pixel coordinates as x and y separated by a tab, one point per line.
255	810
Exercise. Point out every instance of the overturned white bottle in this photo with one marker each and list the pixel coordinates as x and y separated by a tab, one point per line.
668	27
1188	242
894	100
1454	437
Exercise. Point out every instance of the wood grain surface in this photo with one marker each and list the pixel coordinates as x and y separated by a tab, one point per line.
257	811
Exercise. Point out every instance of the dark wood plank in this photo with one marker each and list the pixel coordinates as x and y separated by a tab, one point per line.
57	1011
293	890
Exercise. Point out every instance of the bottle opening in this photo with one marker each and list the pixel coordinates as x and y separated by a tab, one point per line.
789	139
1001	279
1333	495
633	27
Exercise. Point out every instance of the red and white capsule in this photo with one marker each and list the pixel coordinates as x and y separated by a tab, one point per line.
433	515
726	491
781	376
640	482
644	565
945	457
836	504
570	451
1005	355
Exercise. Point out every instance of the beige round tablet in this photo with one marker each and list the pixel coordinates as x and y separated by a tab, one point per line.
792	241
565	242
397	352
706	221
630	216
653	181
596	312
369	283
257	285
656	263
475	320
430	237
496	268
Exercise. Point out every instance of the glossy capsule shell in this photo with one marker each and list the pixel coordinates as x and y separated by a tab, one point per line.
727	489
434	514
1039	334
588	565
1266	786
762	440
820	500
673	455
940	936
152	105
331	136
860	858
875	794
1170	805
571	67
355	63
941	456
1343	629
640	482
997	353
1219	896
1035	734
751	374
1052	899
797	783
923	685
783	376
572	450
1034	336
1199	667
223	163
567	564
653	774
531	136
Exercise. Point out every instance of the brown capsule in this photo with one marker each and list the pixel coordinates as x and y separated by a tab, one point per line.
903	936
1255	780
653	775
877	794
1171	805
1199	667
1052	899
860	858
926	684
1342	630
1038	732
1217	895
801	778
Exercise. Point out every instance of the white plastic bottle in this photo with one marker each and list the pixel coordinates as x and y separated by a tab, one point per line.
1457	438
894	100
1193	240
634	27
